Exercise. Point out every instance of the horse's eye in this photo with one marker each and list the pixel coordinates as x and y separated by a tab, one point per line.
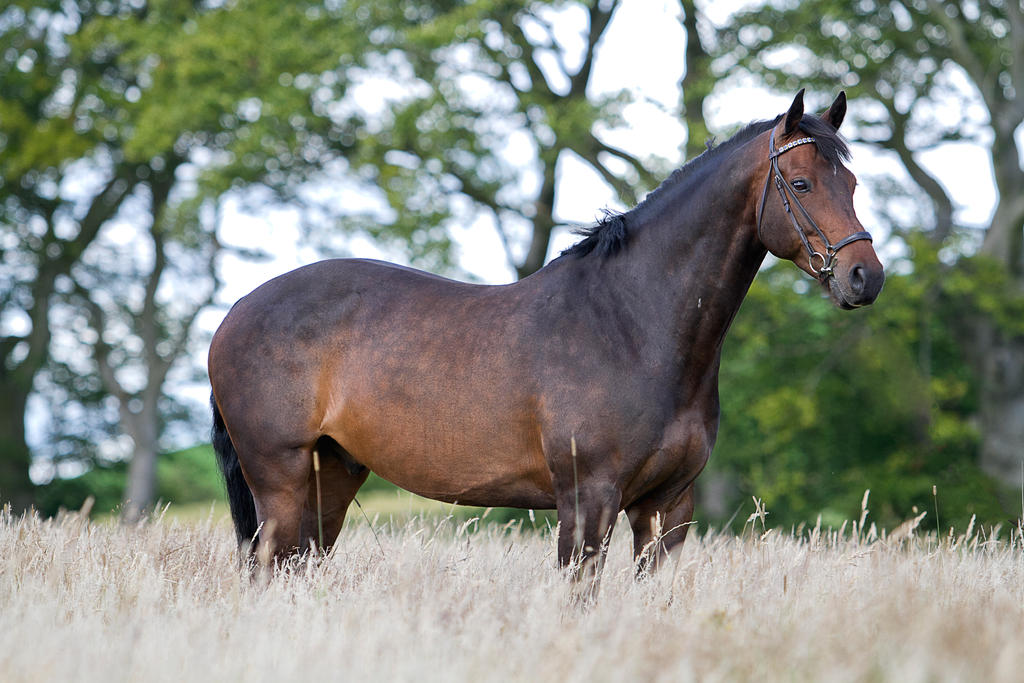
801	185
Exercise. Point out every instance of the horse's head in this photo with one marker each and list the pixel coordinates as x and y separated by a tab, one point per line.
805	210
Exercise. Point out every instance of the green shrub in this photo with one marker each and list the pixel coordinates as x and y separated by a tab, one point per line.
186	476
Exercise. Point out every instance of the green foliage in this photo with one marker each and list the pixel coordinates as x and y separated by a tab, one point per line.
104	483
185	476
881	50
819	404
143	115
920	74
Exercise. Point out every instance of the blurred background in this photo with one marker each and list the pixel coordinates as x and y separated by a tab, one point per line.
161	158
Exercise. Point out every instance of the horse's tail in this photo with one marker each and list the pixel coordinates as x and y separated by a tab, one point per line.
243	510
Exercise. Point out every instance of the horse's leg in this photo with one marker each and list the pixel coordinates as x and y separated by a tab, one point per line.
586	516
340	479
279	480
660	521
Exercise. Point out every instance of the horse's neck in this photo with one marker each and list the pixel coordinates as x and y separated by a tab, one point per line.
691	258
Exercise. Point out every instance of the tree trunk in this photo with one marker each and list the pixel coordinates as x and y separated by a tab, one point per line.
16	487
999	362
140	489
999	354
696	84
140	492
543	220
144	428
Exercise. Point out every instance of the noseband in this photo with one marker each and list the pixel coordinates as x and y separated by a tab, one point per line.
828	259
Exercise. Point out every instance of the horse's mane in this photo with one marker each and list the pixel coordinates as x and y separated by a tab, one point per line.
611	232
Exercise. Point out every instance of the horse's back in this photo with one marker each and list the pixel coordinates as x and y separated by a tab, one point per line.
331	297
352	312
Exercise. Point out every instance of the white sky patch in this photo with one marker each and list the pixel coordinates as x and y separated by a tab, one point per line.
643	50
965	171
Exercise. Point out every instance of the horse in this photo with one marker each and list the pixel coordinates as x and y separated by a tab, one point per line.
590	387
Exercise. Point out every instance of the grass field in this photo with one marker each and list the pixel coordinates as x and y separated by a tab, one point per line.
440	599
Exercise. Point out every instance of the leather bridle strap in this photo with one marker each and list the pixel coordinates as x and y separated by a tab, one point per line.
789	198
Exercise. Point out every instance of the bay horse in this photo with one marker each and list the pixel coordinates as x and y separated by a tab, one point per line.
590	386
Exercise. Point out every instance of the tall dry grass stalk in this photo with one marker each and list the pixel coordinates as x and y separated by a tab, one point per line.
441	600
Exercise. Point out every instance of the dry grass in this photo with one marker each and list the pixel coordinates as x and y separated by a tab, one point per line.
440	600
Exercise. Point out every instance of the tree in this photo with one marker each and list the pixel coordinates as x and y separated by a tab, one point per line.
906	63
145	114
150	114
819	405
492	79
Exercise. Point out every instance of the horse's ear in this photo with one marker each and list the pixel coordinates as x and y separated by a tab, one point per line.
795	113
837	112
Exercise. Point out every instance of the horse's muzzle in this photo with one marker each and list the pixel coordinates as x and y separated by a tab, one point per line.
856	286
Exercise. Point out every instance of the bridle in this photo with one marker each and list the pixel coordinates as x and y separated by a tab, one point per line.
828	259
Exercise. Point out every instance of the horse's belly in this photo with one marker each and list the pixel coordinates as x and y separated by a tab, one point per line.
482	479
465	456
505	491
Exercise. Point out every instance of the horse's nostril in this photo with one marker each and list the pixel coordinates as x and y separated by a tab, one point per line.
857	279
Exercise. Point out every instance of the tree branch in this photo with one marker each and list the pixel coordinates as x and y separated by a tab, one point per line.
103	207
696	83
543	219
599	20
541	87
925	180
552	44
489	201
148	324
1015	15
961	50
646	177
101	350
621	187
506	243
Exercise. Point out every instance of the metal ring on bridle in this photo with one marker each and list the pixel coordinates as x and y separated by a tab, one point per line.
825	268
